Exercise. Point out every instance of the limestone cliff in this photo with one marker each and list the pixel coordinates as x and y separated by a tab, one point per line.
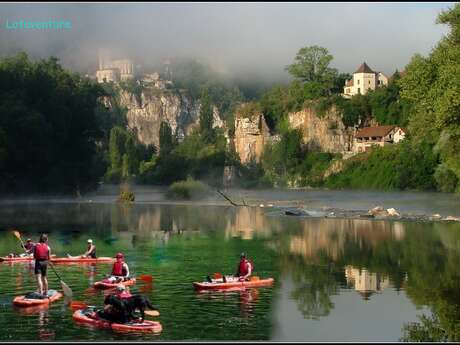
325	133
251	135
146	111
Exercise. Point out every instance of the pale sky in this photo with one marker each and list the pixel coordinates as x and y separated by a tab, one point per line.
237	38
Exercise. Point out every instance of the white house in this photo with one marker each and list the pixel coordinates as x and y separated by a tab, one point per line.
364	79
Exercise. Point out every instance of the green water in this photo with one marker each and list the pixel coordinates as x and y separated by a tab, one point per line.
335	279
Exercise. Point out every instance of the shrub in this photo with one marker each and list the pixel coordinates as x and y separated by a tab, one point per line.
188	190
126	197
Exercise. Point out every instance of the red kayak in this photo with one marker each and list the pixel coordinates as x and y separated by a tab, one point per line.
78	260
106	284
90	317
20	258
220	285
22	301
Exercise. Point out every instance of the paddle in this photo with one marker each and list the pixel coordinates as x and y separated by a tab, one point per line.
67	290
18	236
82	305
145	277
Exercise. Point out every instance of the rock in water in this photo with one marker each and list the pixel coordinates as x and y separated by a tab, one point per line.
393	212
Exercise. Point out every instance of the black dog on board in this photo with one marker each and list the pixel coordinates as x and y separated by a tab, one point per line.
127	306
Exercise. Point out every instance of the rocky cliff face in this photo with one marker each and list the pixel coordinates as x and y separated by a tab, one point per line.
325	133
145	113
251	135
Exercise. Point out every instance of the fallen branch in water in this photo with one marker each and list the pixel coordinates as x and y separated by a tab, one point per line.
229	200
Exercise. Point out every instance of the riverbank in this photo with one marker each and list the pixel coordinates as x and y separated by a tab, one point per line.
419	206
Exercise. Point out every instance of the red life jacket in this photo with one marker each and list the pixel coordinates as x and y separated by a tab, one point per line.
243	268
41	251
117	269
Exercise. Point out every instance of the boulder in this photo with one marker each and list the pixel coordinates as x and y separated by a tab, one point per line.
393	212
451	218
378	211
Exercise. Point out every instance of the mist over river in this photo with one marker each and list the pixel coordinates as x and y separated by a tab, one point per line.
335	279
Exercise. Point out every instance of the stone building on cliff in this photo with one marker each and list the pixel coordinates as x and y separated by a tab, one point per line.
364	80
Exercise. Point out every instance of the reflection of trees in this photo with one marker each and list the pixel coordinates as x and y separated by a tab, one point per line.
314	284
432	266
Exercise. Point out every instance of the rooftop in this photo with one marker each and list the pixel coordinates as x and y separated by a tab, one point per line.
378	131
364	68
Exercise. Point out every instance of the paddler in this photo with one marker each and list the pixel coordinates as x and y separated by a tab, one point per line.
90	251
42	253
28	246
245	268
120	270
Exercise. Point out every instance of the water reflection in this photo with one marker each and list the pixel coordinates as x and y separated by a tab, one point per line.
365	282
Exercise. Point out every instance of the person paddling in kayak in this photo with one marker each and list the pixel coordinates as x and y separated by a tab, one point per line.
244	271
120	270
90	252
42	254
245	268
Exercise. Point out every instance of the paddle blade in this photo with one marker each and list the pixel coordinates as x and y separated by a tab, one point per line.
78	305
217	275
146	277
66	289
152	312
17	234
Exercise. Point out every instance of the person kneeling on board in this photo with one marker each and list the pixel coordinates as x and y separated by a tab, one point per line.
120	270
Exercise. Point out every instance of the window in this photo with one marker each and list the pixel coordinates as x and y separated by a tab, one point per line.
359	90
369	82
358	81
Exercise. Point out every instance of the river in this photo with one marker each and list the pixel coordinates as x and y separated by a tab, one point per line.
335	279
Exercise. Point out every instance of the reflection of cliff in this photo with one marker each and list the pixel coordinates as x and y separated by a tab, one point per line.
323	235
365	282
247	221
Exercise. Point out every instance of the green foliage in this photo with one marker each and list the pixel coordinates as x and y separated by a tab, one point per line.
125	155
48	127
206	117
126	197
398	166
165	138
432	85
188	190
427	330
446	180
249	109
311	64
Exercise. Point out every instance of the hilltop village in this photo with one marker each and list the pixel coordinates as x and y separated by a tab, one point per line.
251	133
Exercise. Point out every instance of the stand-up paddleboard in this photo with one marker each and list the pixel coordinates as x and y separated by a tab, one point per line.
31	301
89	316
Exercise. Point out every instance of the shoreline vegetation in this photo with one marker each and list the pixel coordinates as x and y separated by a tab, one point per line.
75	142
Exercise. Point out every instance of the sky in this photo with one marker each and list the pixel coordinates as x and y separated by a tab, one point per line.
235	38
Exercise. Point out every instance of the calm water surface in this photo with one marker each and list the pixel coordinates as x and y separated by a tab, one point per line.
335	279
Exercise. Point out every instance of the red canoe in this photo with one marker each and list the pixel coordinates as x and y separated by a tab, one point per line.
90	318
233	285
77	260
21	301
105	284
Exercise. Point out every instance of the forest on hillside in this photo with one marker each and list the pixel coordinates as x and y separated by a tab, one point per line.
56	136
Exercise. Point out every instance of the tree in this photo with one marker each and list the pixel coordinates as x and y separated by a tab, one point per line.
311	64
206	117
166	139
